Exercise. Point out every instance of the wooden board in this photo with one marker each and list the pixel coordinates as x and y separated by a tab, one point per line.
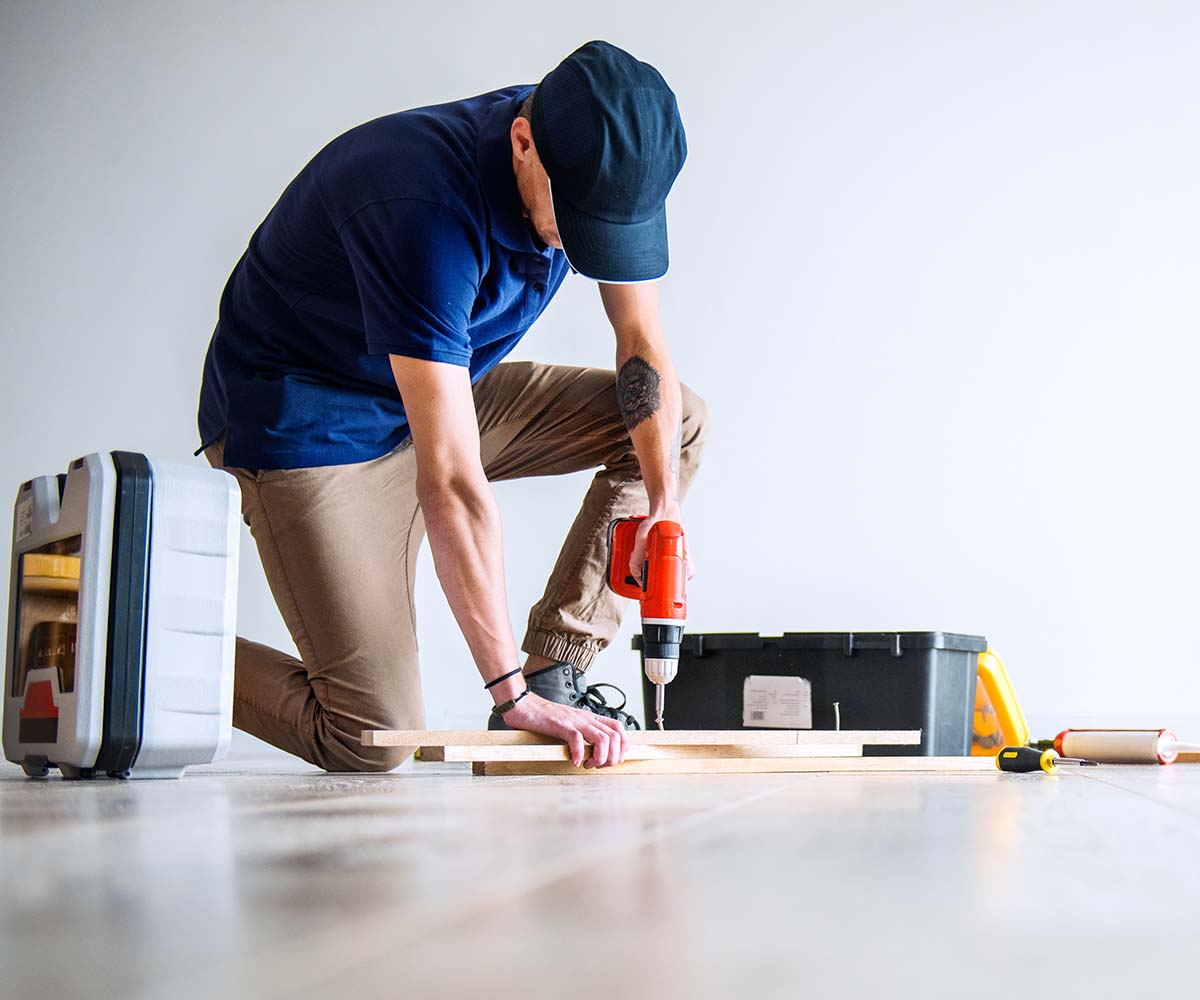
672	737
742	765
637	751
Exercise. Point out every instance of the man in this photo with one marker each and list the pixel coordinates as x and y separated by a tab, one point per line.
353	388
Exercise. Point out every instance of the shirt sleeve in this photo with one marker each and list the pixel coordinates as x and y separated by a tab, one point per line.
418	270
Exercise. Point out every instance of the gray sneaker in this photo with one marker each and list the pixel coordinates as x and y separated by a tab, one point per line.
567	685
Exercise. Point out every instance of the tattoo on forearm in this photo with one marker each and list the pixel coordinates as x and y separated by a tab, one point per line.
675	446
638	391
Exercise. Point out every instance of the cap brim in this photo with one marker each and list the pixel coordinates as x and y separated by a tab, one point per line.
613	251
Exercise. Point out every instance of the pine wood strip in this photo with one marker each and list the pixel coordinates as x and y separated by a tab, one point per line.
676	737
639	752
1188	758
741	765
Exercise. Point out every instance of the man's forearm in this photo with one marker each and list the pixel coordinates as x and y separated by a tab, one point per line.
463	525
649	399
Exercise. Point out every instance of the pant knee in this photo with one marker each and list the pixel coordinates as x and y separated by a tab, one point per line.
340	746
380	759
340	758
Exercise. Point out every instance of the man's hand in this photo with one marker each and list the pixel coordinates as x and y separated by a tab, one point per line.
637	560
577	727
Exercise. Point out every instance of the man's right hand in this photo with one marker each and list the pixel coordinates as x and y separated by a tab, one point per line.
580	729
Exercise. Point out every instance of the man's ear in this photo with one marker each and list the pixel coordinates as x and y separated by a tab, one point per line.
522	138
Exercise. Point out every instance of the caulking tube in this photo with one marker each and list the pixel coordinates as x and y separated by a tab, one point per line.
1121	746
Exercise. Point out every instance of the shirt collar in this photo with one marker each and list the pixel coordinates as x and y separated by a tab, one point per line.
507	224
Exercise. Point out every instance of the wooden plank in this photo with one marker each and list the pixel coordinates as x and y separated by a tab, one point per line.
743	765
675	737
640	752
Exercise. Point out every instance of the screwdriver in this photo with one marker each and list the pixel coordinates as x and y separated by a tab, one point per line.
1023	759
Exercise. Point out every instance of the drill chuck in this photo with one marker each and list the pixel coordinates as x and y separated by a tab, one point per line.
660	650
661	670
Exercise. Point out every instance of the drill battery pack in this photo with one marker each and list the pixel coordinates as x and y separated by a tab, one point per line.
121	615
830	680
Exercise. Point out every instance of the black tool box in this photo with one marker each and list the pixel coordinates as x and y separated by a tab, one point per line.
829	680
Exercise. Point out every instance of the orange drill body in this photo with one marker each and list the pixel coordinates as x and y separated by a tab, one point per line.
662	594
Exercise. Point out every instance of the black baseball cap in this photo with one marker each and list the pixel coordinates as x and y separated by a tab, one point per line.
608	132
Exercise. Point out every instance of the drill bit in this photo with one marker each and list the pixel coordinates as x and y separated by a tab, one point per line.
659	689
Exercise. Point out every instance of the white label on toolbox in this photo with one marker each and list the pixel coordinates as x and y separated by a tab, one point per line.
25	518
779	702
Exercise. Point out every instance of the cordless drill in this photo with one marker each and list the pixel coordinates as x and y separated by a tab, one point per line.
662	592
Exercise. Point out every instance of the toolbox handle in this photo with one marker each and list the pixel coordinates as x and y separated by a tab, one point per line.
891	643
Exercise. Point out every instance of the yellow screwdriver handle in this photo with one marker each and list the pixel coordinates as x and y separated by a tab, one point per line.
1021	760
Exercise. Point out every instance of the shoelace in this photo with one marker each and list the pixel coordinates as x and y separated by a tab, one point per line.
598	702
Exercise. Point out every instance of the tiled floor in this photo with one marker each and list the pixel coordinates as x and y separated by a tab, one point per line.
263	878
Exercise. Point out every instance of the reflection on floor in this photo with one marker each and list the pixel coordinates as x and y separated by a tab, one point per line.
265	878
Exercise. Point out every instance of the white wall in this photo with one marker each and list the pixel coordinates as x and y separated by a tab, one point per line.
934	268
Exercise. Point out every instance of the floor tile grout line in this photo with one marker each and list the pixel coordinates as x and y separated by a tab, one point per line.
314	801
368	937
319	800
1173	807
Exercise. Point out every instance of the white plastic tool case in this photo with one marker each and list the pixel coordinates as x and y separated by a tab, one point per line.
121	614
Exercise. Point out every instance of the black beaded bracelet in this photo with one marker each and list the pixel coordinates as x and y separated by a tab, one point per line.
508	706
502	677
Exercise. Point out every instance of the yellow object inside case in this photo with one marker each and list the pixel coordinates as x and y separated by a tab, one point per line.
999	721
46	572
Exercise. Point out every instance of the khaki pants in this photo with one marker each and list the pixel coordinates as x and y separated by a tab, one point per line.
339	546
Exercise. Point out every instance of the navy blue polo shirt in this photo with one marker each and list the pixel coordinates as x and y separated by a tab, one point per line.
403	236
